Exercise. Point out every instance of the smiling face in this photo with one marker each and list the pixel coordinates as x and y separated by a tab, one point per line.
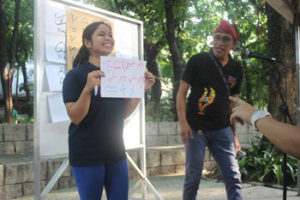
101	43
222	44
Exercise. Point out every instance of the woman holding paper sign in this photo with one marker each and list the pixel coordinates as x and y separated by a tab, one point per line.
96	148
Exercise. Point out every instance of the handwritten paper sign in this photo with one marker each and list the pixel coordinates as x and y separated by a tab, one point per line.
124	78
55	19
55	37
55	48
76	23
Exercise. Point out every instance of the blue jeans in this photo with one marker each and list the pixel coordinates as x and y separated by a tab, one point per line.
90	181
221	145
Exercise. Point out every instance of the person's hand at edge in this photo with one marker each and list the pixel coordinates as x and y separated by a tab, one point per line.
149	80
242	111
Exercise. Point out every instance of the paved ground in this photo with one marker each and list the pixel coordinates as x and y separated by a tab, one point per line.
170	188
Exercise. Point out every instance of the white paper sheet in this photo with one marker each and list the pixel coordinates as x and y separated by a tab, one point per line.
124	78
56	48
55	76
125	40
55	36
55	19
57	108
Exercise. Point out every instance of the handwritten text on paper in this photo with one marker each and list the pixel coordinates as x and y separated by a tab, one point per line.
124	78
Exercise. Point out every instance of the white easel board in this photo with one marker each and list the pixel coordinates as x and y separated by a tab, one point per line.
51	119
56	41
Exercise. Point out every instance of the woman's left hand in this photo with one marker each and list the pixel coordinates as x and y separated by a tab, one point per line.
149	80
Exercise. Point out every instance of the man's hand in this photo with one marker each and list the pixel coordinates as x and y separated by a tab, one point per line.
237	144
186	132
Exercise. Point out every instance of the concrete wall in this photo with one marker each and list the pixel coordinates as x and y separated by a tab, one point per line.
168	133
16	139
165	155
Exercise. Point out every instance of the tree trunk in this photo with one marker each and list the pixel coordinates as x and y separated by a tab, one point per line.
17	91
282	46
25	77
7	73
151	51
3	63
13	52
177	61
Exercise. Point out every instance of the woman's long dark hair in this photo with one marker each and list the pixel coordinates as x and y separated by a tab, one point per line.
84	53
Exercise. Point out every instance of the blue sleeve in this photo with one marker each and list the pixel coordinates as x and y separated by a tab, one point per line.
71	88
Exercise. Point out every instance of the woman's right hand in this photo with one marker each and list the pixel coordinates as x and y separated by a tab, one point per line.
93	80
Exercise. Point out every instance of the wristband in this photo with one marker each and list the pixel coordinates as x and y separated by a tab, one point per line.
258	115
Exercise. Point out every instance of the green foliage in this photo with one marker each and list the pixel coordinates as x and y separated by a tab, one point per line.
263	165
25	33
195	23
164	114
259	79
25	119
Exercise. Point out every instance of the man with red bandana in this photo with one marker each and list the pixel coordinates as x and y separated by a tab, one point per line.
204	120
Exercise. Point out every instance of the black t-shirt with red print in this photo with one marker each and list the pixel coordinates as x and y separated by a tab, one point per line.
208	101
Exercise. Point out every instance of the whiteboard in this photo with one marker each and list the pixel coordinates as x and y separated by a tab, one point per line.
51	121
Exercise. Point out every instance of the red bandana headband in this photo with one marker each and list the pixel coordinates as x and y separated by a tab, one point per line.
226	27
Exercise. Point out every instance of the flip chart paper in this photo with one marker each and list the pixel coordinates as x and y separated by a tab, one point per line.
55	76
57	108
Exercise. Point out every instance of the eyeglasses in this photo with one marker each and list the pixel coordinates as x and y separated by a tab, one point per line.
224	39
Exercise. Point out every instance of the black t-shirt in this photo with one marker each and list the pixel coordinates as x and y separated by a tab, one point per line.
98	139
208	102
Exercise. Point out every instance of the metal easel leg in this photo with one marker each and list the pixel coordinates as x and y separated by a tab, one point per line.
145	180
54	178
